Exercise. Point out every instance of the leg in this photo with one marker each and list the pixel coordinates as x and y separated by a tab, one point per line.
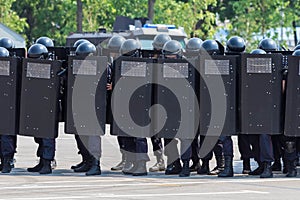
8	148
94	147
158	152
173	161
141	157
266	155
228	155
186	153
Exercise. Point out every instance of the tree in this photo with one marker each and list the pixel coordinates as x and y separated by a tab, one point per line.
151	9
79	16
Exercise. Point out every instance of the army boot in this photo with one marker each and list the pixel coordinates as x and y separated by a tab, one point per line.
36	168
140	168
267	170
128	168
79	164
228	169
246	166
185	172
95	168
258	171
121	164
85	166
276	165
204	167
6	165
174	168
195	166
298	159
46	169
291	168
220	166
160	164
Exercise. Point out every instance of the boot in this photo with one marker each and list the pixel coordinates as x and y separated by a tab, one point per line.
195	166
1	164
246	166
228	169
220	166
160	164
204	167
36	168
6	165
140	168
298	160
185	172
174	168
267	172
258	171
95	168
276	165
79	164
128	168
121	164
292	168
46	169
85	166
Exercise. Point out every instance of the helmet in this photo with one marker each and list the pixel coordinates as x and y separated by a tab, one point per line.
159	41
37	50
115	42
297	47
172	47
235	44
211	46
85	48
4	52
7	43
257	51
78	42
129	46
268	45
193	44
47	42
296	53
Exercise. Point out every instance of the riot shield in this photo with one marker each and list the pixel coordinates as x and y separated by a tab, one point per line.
261	94
17	52
218	111
39	98
174	91
292	105
10	79
131	97
86	95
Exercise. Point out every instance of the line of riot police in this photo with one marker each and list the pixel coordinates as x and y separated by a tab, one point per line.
200	97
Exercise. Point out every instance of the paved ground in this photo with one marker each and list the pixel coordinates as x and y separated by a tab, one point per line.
64	184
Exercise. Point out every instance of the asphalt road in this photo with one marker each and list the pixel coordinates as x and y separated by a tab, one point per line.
65	184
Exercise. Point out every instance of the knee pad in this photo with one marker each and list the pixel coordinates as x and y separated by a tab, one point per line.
290	147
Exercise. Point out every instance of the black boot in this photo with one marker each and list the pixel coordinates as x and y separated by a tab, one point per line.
1	164
292	168
140	168
46	169
79	164
195	166
228	169
258	171
204	167
298	159
267	172
85	166
220	166
276	165
36	168
95	168
121	164
246	166
6	165
174	168
160	164
185	169
128	168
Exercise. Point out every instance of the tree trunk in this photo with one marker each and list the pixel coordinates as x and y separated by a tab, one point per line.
295	32
151	9
79	16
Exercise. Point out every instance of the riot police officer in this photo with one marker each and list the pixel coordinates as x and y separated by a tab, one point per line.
7	142
46	146
89	145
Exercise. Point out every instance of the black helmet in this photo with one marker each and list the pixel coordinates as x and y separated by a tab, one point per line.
85	48
115	42
129	46
193	44
159	41
78	42
4	52
37	51
257	51
296	53
297	47
47	42
211	46
7	43
268	45
235	44
172	47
